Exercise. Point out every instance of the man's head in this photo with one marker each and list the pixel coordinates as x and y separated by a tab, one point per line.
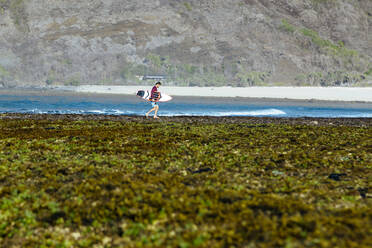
158	84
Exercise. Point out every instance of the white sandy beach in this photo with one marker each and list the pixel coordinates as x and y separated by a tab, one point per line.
298	93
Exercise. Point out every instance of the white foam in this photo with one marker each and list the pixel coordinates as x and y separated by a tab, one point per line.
254	113
362	115
207	112
264	112
119	112
97	111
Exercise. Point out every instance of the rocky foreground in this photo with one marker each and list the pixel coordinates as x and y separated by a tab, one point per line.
360	122
126	181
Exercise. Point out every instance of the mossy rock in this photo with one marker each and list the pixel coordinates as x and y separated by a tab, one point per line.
86	181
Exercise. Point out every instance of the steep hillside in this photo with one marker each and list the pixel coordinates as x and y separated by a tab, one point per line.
196	42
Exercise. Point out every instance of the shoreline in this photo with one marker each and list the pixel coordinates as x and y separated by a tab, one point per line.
307	121
328	94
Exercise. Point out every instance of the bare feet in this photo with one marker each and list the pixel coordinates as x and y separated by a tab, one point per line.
155	117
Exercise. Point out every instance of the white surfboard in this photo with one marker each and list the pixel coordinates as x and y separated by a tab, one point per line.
145	94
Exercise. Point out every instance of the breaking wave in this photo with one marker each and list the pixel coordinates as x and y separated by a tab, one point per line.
104	106
264	112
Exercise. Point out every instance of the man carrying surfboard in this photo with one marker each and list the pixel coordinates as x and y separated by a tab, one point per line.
155	95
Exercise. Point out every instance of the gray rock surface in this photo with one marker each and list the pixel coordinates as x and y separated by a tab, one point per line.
196	42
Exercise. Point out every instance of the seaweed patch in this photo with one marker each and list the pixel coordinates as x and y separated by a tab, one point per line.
93	181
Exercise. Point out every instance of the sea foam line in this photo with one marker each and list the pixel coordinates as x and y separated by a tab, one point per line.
264	112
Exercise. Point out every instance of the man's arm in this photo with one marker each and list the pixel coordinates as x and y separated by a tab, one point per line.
159	96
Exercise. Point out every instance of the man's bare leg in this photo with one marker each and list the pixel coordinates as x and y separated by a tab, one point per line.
156	112
147	114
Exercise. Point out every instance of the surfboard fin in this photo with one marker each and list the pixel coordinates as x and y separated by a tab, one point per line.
140	93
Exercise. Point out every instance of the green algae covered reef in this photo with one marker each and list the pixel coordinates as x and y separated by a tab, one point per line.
105	181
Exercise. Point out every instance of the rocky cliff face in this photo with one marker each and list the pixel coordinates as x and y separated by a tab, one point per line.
195	42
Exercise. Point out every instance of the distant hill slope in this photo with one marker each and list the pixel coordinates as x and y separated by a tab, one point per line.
207	42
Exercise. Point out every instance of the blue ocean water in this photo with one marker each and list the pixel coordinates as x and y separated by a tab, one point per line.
135	106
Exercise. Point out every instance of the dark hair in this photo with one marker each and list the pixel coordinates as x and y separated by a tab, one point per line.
158	83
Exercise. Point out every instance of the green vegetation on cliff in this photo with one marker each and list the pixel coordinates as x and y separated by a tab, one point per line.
3	72
192	75
327	46
18	13
347	58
